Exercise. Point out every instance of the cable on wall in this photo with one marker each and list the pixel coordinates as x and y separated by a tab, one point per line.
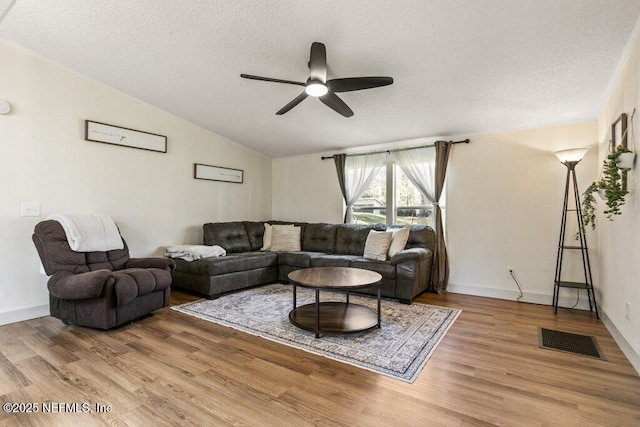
515	279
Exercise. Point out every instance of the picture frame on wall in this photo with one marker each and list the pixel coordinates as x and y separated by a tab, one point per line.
619	136
217	173
619	131
124	137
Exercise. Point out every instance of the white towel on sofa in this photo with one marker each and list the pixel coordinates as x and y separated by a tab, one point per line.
90	233
194	252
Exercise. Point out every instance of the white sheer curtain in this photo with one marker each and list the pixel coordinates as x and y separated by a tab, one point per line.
419	165
426	168
359	171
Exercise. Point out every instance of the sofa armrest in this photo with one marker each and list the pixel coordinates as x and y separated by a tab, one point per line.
413	254
161	263
413	272
69	286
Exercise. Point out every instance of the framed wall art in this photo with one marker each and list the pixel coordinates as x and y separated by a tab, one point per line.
217	173
619	136
619	131
125	137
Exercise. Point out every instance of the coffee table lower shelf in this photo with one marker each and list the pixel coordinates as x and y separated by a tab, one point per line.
334	317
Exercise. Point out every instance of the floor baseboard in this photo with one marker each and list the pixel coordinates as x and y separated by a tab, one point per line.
24	313
512	295
627	349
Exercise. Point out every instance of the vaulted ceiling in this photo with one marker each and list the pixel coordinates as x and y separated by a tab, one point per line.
459	66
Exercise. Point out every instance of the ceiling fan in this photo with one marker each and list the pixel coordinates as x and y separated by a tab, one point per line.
325	90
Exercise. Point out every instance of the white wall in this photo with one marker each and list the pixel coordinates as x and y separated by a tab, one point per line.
306	188
503	210
152	196
620	239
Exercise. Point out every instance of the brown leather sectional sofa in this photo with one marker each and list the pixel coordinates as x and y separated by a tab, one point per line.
404	276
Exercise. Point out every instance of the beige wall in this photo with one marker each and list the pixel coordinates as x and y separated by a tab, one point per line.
306	188
620	239
152	196
503	210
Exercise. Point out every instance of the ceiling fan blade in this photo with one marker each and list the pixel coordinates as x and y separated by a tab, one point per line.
318	62
269	79
332	101
357	83
297	100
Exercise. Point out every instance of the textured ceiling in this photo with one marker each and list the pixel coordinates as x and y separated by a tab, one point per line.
460	66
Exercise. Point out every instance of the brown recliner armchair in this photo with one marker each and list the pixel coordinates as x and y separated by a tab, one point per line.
100	289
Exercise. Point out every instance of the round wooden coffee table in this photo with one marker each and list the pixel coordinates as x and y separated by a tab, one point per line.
334	317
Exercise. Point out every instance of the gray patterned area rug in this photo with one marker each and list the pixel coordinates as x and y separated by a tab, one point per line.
399	349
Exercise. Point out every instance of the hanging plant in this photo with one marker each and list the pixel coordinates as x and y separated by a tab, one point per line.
611	183
589	204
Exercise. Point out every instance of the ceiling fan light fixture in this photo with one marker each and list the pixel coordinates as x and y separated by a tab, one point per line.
316	89
325	90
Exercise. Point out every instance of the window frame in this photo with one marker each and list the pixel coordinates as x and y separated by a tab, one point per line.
391	207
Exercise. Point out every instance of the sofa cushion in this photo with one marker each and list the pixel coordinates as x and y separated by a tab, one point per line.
131	283
385	268
53	248
228	264
398	240
319	238
285	238
421	236
377	245
350	239
297	259
232	236
332	260
302	226
255	231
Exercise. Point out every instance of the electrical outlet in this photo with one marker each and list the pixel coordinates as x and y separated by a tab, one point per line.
627	311
510	272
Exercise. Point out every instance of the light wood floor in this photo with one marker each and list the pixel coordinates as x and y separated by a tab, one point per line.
173	369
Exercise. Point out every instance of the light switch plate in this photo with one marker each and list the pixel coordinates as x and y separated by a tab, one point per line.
30	209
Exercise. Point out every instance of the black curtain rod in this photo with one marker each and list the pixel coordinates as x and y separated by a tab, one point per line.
466	141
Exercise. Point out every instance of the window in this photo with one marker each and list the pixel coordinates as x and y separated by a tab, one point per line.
393	199
371	207
411	206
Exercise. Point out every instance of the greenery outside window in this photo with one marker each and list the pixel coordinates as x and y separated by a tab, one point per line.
392	199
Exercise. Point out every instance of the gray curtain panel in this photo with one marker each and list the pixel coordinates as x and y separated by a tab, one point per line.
440	270
340	161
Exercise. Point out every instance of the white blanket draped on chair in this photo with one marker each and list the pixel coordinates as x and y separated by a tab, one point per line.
90	233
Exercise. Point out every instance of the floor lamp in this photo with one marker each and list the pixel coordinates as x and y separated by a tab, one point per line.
570	158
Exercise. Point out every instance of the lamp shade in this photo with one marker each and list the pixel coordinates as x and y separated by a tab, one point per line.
572	155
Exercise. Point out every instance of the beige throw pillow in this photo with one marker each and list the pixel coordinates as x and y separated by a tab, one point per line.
399	240
266	237
285	238
377	245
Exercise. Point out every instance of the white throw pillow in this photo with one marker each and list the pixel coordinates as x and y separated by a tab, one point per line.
377	245
398	240
266	237
285	238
